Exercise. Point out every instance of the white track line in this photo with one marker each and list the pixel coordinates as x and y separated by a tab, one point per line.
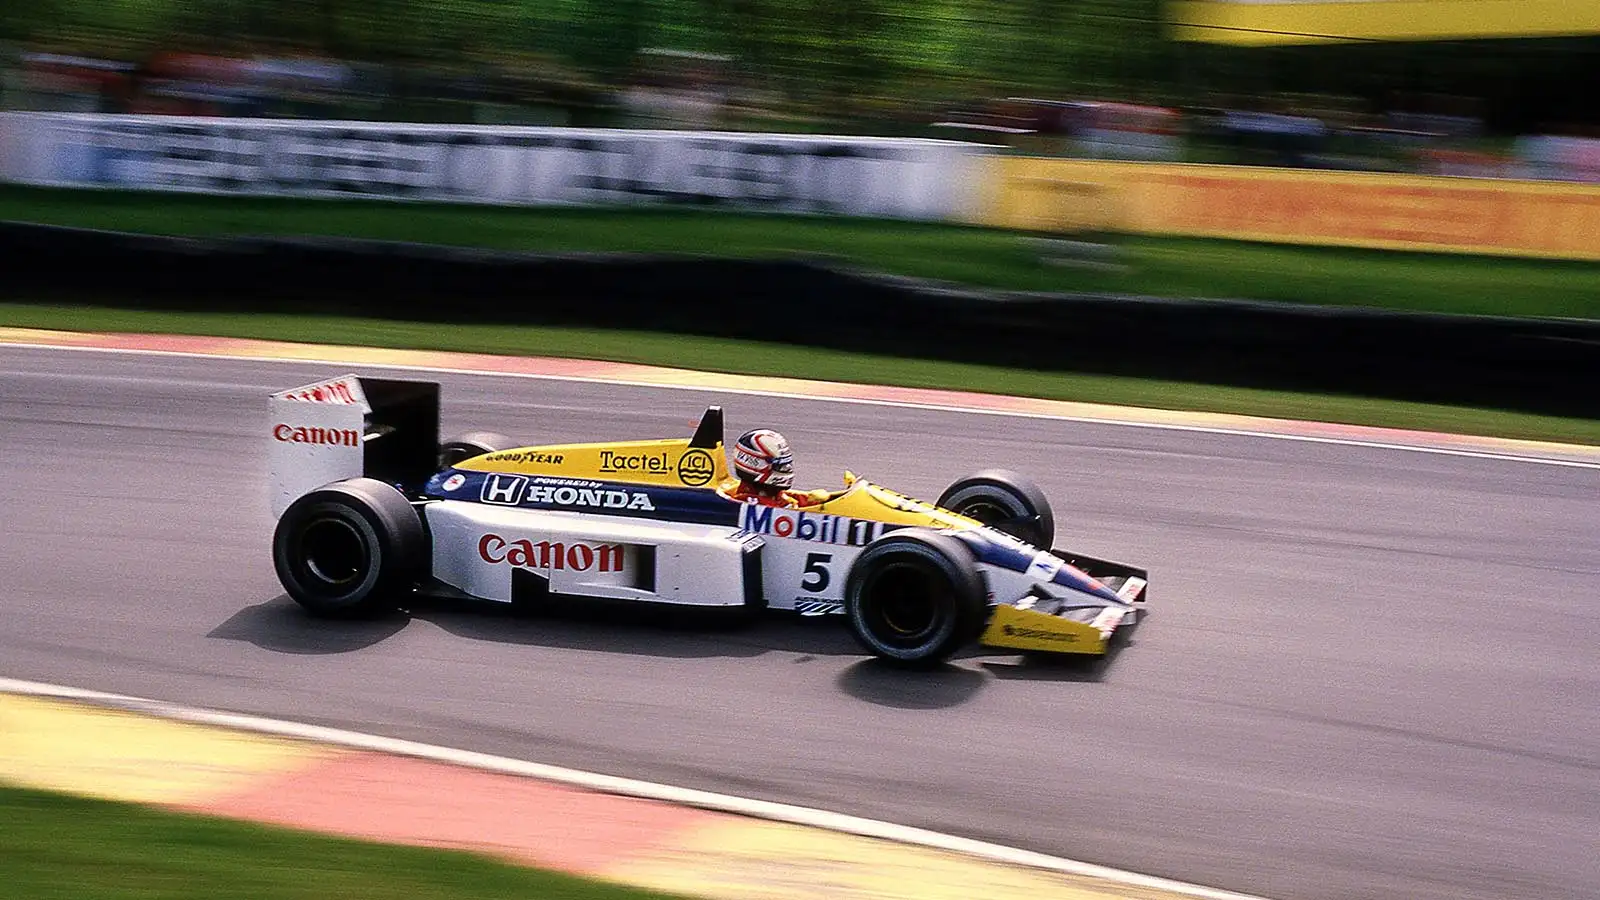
727	803
863	401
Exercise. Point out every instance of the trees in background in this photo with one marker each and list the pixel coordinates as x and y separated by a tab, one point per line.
830	48
836	54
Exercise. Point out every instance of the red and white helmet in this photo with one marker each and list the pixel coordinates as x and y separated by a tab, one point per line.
762	457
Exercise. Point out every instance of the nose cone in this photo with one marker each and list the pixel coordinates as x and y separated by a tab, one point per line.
1078	580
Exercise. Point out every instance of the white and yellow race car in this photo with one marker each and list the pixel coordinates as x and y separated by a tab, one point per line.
372	508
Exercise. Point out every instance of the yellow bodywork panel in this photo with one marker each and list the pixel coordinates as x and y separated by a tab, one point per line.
865	500
671	463
1025	629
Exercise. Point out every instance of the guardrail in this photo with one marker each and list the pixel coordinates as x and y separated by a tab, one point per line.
1540	365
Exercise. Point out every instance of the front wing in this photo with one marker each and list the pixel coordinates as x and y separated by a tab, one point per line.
1077	624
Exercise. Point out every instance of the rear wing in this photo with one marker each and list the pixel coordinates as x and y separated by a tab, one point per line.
348	427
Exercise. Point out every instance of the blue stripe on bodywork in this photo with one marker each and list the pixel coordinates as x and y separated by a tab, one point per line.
1006	552
606	498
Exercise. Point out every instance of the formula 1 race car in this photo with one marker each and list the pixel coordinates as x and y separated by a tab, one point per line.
372	508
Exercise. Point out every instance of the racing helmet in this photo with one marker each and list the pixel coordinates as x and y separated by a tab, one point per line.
762	458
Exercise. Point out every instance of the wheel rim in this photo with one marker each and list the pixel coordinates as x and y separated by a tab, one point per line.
1005	520
905	604
334	552
986	512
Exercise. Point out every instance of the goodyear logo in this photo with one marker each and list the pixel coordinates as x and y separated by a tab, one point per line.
696	468
822	529
537	457
1038	634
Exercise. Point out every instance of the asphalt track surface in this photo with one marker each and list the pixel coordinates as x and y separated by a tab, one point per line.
1367	673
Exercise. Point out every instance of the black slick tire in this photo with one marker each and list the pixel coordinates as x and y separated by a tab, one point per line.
1005	501
915	597
473	443
350	549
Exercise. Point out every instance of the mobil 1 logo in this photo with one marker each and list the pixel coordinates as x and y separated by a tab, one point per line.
804	526
810	565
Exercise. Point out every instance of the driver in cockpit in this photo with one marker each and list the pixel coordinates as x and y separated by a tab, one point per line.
765	469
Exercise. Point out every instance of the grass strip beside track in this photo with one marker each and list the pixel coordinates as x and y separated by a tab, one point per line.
63	846
751	358
969	255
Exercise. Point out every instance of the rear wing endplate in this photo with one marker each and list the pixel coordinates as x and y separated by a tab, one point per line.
347	427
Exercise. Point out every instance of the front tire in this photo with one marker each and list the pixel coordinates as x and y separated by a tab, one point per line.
1006	502
349	549
914	598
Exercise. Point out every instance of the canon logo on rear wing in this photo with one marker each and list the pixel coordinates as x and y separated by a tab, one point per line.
329	437
345	390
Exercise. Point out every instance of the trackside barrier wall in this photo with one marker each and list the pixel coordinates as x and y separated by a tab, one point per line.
1549	366
1397	212
880	177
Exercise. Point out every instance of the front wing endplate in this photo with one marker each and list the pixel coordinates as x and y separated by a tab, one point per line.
1026	629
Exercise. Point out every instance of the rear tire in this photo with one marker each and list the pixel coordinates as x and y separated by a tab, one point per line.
914	598
473	443
1005	501
349	549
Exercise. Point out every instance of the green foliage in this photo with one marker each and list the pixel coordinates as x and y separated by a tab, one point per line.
840	54
830	49
1175	267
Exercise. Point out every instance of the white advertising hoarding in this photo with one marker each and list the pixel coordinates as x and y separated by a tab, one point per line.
858	176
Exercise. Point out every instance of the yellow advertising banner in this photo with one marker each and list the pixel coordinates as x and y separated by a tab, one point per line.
1404	212
1253	23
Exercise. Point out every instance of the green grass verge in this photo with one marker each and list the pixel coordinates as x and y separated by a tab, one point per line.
969	255
721	355
54	845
